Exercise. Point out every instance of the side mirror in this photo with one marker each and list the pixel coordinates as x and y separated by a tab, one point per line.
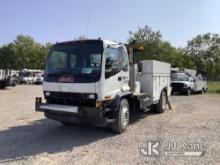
192	79
139	49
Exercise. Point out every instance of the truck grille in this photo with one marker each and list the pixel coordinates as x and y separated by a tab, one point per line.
177	85
67	98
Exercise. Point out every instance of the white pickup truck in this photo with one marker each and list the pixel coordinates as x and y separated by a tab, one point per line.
95	81
186	81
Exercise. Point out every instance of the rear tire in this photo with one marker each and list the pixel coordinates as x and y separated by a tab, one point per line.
122	117
161	106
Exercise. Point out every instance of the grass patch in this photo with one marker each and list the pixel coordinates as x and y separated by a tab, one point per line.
214	87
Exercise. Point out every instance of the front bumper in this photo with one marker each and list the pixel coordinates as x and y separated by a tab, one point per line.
88	112
72	114
178	87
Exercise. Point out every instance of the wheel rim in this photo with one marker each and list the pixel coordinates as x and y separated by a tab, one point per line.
189	92
124	115
164	101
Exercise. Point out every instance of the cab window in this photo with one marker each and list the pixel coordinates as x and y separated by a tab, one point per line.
124	59
113	62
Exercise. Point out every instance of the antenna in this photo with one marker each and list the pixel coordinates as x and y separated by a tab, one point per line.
87	26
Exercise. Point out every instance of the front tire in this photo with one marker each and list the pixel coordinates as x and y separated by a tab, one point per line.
188	92
161	106
14	84
202	91
122	117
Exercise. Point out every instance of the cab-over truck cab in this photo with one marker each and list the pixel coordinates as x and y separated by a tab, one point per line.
88	80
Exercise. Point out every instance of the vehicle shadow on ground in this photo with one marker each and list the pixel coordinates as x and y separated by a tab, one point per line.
46	136
183	94
51	137
4	89
138	116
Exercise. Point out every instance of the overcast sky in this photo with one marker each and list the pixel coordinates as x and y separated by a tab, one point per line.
60	20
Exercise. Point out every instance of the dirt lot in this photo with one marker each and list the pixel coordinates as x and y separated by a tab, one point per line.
26	137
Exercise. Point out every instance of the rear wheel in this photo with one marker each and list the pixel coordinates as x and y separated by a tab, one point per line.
122	117
161	106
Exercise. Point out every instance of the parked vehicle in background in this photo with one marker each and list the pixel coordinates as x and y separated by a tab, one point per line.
185	81
8	78
3	79
13	77
96	81
13	80
27	76
38	78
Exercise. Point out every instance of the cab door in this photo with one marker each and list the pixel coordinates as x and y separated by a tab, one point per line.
113	73
124	68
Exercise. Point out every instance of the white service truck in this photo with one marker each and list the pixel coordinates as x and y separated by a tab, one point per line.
30	76
96	81
186	81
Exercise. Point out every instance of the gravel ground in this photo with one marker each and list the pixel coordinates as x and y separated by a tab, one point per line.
26	137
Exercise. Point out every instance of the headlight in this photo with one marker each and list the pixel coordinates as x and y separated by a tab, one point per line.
47	93
91	96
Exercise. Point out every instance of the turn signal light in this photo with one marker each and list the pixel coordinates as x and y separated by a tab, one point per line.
98	104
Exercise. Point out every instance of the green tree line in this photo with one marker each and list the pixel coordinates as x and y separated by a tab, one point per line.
22	53
201	53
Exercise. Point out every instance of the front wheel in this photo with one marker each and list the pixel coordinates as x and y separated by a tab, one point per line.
122	117
14	84
161	106
188	92
202	91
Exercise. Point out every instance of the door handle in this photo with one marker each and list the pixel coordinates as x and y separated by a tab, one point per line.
119	78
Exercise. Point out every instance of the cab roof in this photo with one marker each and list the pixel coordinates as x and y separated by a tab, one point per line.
105	42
